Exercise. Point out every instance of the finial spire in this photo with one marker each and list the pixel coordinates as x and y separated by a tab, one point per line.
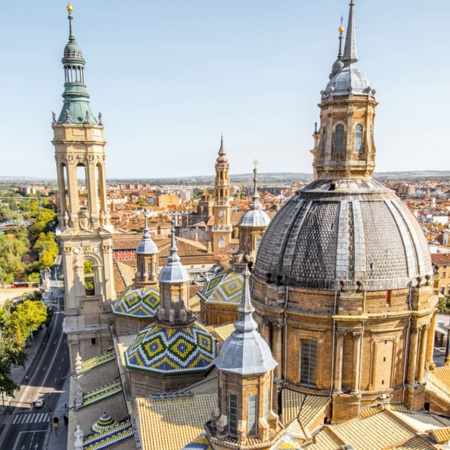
350	54
221	149
255	204
341	32
245	322
338	64
173	257
70	10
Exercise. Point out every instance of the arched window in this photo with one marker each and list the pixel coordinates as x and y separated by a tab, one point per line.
89	282
339	140
358	138
308	362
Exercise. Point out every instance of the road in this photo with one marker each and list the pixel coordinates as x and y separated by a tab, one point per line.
27	426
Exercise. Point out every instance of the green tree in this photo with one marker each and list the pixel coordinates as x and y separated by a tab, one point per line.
47	248
10	353
27	317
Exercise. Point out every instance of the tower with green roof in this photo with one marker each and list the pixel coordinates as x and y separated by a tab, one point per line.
83	216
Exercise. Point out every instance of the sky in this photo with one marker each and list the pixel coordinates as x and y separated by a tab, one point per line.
170	76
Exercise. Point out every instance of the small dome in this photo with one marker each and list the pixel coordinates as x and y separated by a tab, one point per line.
346	230
104	423
168	351
245	352
348	80
337	66
174	272
147	245
72	49
254	218
137	301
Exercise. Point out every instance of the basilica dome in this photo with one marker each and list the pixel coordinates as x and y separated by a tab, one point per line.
344	232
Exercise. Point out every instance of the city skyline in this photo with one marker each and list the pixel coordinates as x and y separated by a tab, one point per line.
169	79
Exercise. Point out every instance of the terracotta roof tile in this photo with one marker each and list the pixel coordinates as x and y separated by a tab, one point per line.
170	424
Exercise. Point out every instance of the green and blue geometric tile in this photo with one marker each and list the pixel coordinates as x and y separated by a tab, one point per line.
225	287
199	443
137	301
168	351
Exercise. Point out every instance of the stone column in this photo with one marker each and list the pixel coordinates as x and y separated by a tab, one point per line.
422	354
338	356
357	335
414	342
277	348
430	344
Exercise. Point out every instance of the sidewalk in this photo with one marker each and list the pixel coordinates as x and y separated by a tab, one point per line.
57	439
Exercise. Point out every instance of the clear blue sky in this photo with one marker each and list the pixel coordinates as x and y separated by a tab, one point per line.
170	76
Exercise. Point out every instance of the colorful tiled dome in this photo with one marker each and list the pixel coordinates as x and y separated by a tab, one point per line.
104	423
226	287
199	443
168	351
137	301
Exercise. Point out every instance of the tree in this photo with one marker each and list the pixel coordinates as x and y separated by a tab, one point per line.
10	353
47	248
26	318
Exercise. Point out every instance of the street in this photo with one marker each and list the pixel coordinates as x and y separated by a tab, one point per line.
26	428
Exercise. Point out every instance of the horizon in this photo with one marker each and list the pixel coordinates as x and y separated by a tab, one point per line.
169	79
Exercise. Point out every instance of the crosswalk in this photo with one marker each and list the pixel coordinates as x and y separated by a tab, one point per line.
31	418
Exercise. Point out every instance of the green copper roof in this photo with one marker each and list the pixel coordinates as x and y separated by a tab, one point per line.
76	107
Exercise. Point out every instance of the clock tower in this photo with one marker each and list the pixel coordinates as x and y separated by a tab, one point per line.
222	229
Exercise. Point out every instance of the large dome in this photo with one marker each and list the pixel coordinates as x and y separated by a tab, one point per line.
347	230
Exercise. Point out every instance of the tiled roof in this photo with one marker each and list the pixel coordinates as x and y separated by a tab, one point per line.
304	408
106	391
199	443
440	258
379	431
225	287
168	351
110	438
137	301
124	275
415	443
171	424
97	361
325	440
287	442
222	331
439	383
441	435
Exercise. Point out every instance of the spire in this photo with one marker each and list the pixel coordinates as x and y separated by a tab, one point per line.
76	108
255	204
245	322
173	257
338	64
350	54
222	159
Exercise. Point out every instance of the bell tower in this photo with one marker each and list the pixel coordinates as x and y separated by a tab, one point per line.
222	229
346	145
84	219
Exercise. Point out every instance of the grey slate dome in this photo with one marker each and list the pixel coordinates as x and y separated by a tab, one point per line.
147	246
173	271
345	230
255	216
245	352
